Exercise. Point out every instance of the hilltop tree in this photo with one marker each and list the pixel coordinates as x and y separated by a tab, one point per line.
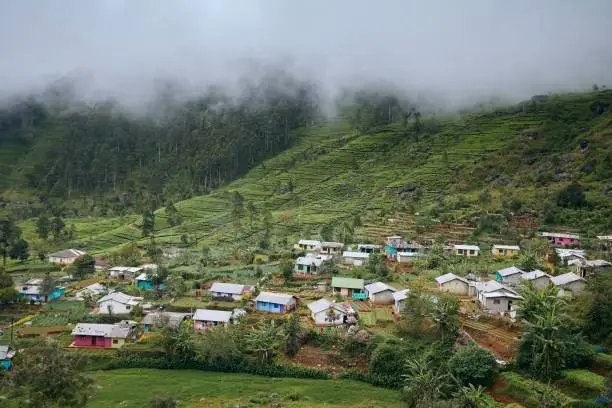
58	226
286	267
445	314
47	376
176	286
237	208
48	285
252	212
8	293
20	250
83	266
327	232
43	226
9	235
174	217
345	232
571	196
148	222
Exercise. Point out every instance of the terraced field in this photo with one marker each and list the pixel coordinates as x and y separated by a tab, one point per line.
336	174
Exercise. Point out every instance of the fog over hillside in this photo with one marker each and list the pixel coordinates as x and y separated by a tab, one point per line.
461	51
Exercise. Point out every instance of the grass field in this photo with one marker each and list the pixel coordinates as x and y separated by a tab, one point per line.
132	388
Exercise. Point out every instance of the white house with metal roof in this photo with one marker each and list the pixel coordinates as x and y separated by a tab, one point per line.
569	284
65	257
320	311
399	299
207	318
307	265
496	297
380	293
449	282
353	258
118	303
505	250
538	278
331	248
509	276
234	291
308	245
467	251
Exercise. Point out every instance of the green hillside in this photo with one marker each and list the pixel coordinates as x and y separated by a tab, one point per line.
398	178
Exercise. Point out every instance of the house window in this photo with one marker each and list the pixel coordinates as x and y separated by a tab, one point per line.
82	337
472	252
128	307
115	341
496	301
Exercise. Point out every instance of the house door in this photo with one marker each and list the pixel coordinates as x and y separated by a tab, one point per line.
509	305
93	340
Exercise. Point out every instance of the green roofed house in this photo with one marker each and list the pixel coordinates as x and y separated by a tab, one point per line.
349	287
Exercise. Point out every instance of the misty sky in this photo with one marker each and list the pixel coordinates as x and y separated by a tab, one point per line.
461	49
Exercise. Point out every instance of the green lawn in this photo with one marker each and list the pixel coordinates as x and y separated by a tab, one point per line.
131	388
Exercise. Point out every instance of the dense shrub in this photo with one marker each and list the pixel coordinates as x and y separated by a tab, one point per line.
388	359
473	365
378	380
571	196
578	353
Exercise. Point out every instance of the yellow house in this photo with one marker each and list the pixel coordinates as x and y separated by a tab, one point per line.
505	250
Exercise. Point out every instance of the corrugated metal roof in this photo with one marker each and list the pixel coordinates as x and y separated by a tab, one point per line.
309	260
512	270
172	319
358	255
118	330
350	283
401	295
277	298
309	242
565	278
331	244
378	287
500	293
447	277
210	315
232	288
120	297
467	247
515	247
560	235
319	305
534	275
67	253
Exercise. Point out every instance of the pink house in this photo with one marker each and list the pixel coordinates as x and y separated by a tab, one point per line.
561	239
102	335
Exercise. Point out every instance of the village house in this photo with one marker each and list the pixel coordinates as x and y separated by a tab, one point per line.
569	284
449	282
567	255
207	318
102	335
118	303
606	241
561	239
307	265
509	276
495	297
95	289
505	250
275	302
585	268
65	257
99	264
163	318
538	279
368	248
227	291
467	251
399	299
172	252
31	291
145	279
395	244
406	257
308	245
349	287
329	313
6	357
331	248
124	272
355	258
380	293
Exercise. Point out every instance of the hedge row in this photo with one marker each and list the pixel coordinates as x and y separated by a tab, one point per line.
374	379
241	366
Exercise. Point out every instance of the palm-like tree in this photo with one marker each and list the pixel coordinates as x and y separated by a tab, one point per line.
422	383
547	344
445	314
472	397
536	302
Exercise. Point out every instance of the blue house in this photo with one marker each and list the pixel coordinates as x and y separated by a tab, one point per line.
143	281
31	291
275	302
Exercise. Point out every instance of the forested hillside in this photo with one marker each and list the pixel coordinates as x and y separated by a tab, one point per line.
61	150
544	163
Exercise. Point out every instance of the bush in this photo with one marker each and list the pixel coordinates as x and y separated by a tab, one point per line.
578	352
529	391
473	365
388	359
582	384
571	196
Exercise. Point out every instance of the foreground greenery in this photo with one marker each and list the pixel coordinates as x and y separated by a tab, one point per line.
134	387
